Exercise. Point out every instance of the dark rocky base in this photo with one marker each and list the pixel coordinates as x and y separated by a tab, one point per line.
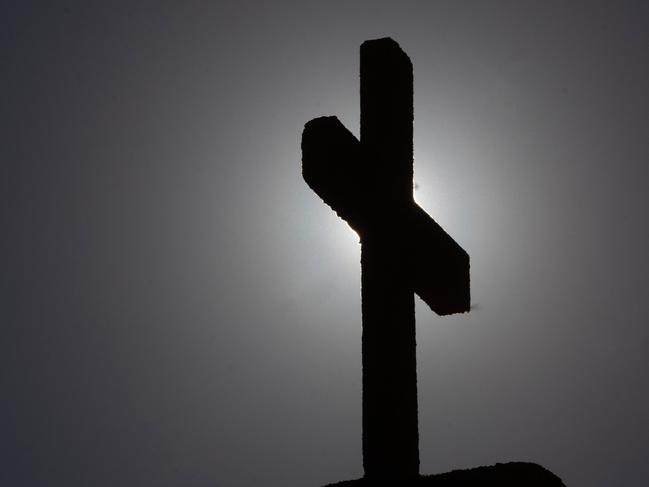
514	474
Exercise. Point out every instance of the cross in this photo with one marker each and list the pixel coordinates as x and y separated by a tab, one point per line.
403	251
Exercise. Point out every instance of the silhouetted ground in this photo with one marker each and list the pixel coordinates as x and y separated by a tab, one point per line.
514	474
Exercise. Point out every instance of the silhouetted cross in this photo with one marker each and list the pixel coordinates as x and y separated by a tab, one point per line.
369	184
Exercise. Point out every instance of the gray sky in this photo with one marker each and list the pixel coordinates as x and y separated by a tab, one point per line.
178	308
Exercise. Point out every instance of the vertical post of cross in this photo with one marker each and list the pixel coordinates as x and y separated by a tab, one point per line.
390	432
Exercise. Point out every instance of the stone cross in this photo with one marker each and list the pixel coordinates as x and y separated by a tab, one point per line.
403	251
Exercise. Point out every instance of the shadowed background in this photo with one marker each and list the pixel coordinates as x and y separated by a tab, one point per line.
178	308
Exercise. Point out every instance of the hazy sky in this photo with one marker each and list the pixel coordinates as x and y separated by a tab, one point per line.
177	308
